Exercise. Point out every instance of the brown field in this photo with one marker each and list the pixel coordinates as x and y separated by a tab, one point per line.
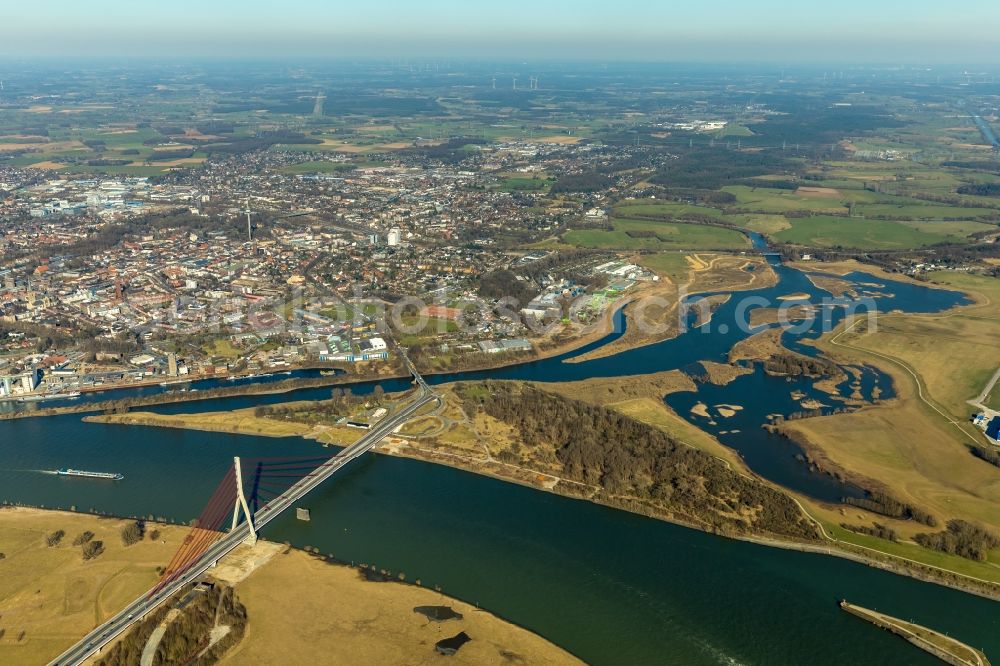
52	594
559	138
194	133
241	420
48	164
818	192
50	146
9	147
173	147
303	610
344	147
172	163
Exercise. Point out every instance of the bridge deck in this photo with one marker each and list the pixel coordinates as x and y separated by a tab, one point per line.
135	611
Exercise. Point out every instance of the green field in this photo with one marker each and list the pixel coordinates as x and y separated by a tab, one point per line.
770	200
666	235
524	183
953	230
922	211
672	264
759	222
829	231
665	209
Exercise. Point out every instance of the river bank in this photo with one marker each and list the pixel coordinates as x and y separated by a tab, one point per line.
244	422
654	315
286	592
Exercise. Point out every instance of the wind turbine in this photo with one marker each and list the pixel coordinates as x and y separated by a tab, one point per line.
515	83
494	83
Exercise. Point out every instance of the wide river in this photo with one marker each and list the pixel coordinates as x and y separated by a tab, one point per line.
611	587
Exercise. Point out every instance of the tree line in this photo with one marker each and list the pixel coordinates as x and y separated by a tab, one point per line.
631	460
879	502
961	538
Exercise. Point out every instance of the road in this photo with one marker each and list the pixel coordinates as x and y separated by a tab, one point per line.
135	611
980	400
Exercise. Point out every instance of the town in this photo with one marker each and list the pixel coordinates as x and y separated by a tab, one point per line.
241	267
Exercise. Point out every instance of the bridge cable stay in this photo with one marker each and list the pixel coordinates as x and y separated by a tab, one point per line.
249	485
203	530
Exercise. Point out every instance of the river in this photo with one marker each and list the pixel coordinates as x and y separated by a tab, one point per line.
609	586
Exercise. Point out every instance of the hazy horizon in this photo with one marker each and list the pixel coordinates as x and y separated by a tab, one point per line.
778	31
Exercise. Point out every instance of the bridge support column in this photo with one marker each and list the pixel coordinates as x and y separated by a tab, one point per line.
241	501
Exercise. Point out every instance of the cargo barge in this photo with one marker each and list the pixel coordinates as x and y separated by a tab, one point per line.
110	476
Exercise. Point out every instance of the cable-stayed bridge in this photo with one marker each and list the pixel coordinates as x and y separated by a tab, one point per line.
205	545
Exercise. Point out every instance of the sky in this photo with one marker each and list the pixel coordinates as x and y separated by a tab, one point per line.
893	31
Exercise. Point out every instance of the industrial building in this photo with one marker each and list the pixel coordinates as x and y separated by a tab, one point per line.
24	382
993	429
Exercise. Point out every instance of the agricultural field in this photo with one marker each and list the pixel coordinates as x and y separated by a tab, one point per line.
770	200
853	232
666	209
922	211
647	235
416	330
524	183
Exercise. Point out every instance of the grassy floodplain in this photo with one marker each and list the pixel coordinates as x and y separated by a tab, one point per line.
52	595
651	235
830	231
292	621
916	446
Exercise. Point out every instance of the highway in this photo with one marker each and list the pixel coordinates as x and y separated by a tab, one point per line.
135	611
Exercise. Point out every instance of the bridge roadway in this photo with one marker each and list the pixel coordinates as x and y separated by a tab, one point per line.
135	611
